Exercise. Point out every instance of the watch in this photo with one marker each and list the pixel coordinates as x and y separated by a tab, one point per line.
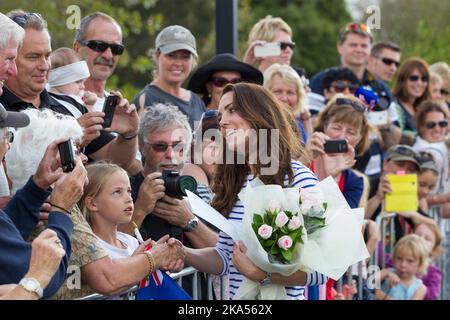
32	285
192	224
267	280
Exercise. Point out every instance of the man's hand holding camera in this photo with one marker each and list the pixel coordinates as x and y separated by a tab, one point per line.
152	190
174	211
126	119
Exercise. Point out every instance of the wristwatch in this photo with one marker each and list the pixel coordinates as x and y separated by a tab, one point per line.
192	224
32	285
267	280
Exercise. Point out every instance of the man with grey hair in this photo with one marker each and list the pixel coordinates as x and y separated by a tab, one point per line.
27	89
98	40
164	141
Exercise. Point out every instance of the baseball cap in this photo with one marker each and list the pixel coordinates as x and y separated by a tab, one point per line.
402	152
173	38
13	119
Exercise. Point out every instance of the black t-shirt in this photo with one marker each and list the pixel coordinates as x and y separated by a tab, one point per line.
13	103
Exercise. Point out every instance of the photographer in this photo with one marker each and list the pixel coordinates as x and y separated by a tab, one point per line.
164	141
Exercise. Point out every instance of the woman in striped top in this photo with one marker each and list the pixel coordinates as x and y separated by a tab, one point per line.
258	142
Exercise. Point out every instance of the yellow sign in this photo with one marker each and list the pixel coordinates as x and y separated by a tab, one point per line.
404	193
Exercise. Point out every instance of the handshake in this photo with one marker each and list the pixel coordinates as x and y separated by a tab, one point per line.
165	254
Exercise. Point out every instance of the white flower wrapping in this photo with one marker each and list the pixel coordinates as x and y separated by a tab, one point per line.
329	250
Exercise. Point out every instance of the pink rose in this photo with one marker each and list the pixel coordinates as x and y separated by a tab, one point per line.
285	242
311	198
294	223
281	219
274	205
265	231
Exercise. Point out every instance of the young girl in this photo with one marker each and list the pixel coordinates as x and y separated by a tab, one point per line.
401	282
431	234
107	203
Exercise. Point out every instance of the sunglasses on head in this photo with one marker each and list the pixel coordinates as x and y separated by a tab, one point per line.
101	46
416	78
425	157
162	147
354	104
222	82
340	86
406	152
21	20
432	124
355	27
389	62
284	45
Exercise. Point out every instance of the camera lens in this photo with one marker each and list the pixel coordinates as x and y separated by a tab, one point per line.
187	183
177	185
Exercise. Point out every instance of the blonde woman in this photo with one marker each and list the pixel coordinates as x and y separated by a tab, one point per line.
270	29
284	82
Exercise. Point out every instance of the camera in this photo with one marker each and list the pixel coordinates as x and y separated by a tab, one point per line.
335	146
67	155
108	108
177	185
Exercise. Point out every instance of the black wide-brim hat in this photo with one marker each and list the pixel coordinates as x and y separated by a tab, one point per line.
223	62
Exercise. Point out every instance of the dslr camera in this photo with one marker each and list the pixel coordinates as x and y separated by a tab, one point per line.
177	185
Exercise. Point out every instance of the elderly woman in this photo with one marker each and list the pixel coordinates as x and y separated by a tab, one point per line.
224	68
343	118
411	89
174	58
286	85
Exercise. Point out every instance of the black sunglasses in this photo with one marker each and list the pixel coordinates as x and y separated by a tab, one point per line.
284	45
340	86
444	92
222	82
389	62
21	20
405	151
101	46
9	136
162	147
432	124
354	104
416	78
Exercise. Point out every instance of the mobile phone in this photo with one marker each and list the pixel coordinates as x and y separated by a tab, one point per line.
335	146
268	49
67	155
108	108
378	118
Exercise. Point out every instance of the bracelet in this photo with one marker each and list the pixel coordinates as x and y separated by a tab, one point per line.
129	137
61	208
151	261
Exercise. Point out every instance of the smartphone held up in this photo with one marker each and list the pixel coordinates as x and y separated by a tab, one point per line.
269	49
335	146
109	108
67	155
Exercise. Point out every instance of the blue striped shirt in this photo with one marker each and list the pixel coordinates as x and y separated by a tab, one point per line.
303	178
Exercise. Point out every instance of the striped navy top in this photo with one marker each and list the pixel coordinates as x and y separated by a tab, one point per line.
303	178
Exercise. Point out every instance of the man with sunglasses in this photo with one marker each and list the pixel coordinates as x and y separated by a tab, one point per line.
98	40
384	60
27	90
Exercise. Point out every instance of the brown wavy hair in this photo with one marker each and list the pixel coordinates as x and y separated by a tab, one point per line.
262	110
405	71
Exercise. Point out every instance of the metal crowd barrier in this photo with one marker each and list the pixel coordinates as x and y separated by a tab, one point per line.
188	271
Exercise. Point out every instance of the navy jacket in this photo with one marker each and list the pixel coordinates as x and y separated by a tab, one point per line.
17	221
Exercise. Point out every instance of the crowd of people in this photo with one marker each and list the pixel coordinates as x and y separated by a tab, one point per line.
114	219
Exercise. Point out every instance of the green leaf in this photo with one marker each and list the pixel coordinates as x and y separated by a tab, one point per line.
255	228
257	219
312	224
287	255
325	206
274	250
269	242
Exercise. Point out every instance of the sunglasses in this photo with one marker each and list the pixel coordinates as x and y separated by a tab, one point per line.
425	157
348	102
22	19
340	86
8	136
284	45
101	46
162	147
444	92
404	151
432	124
389	62
416	78
221	82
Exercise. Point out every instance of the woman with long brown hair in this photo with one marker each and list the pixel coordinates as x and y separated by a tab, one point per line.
258	141
411	88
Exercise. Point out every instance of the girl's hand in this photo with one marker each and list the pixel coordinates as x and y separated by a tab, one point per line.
244	265
393	279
